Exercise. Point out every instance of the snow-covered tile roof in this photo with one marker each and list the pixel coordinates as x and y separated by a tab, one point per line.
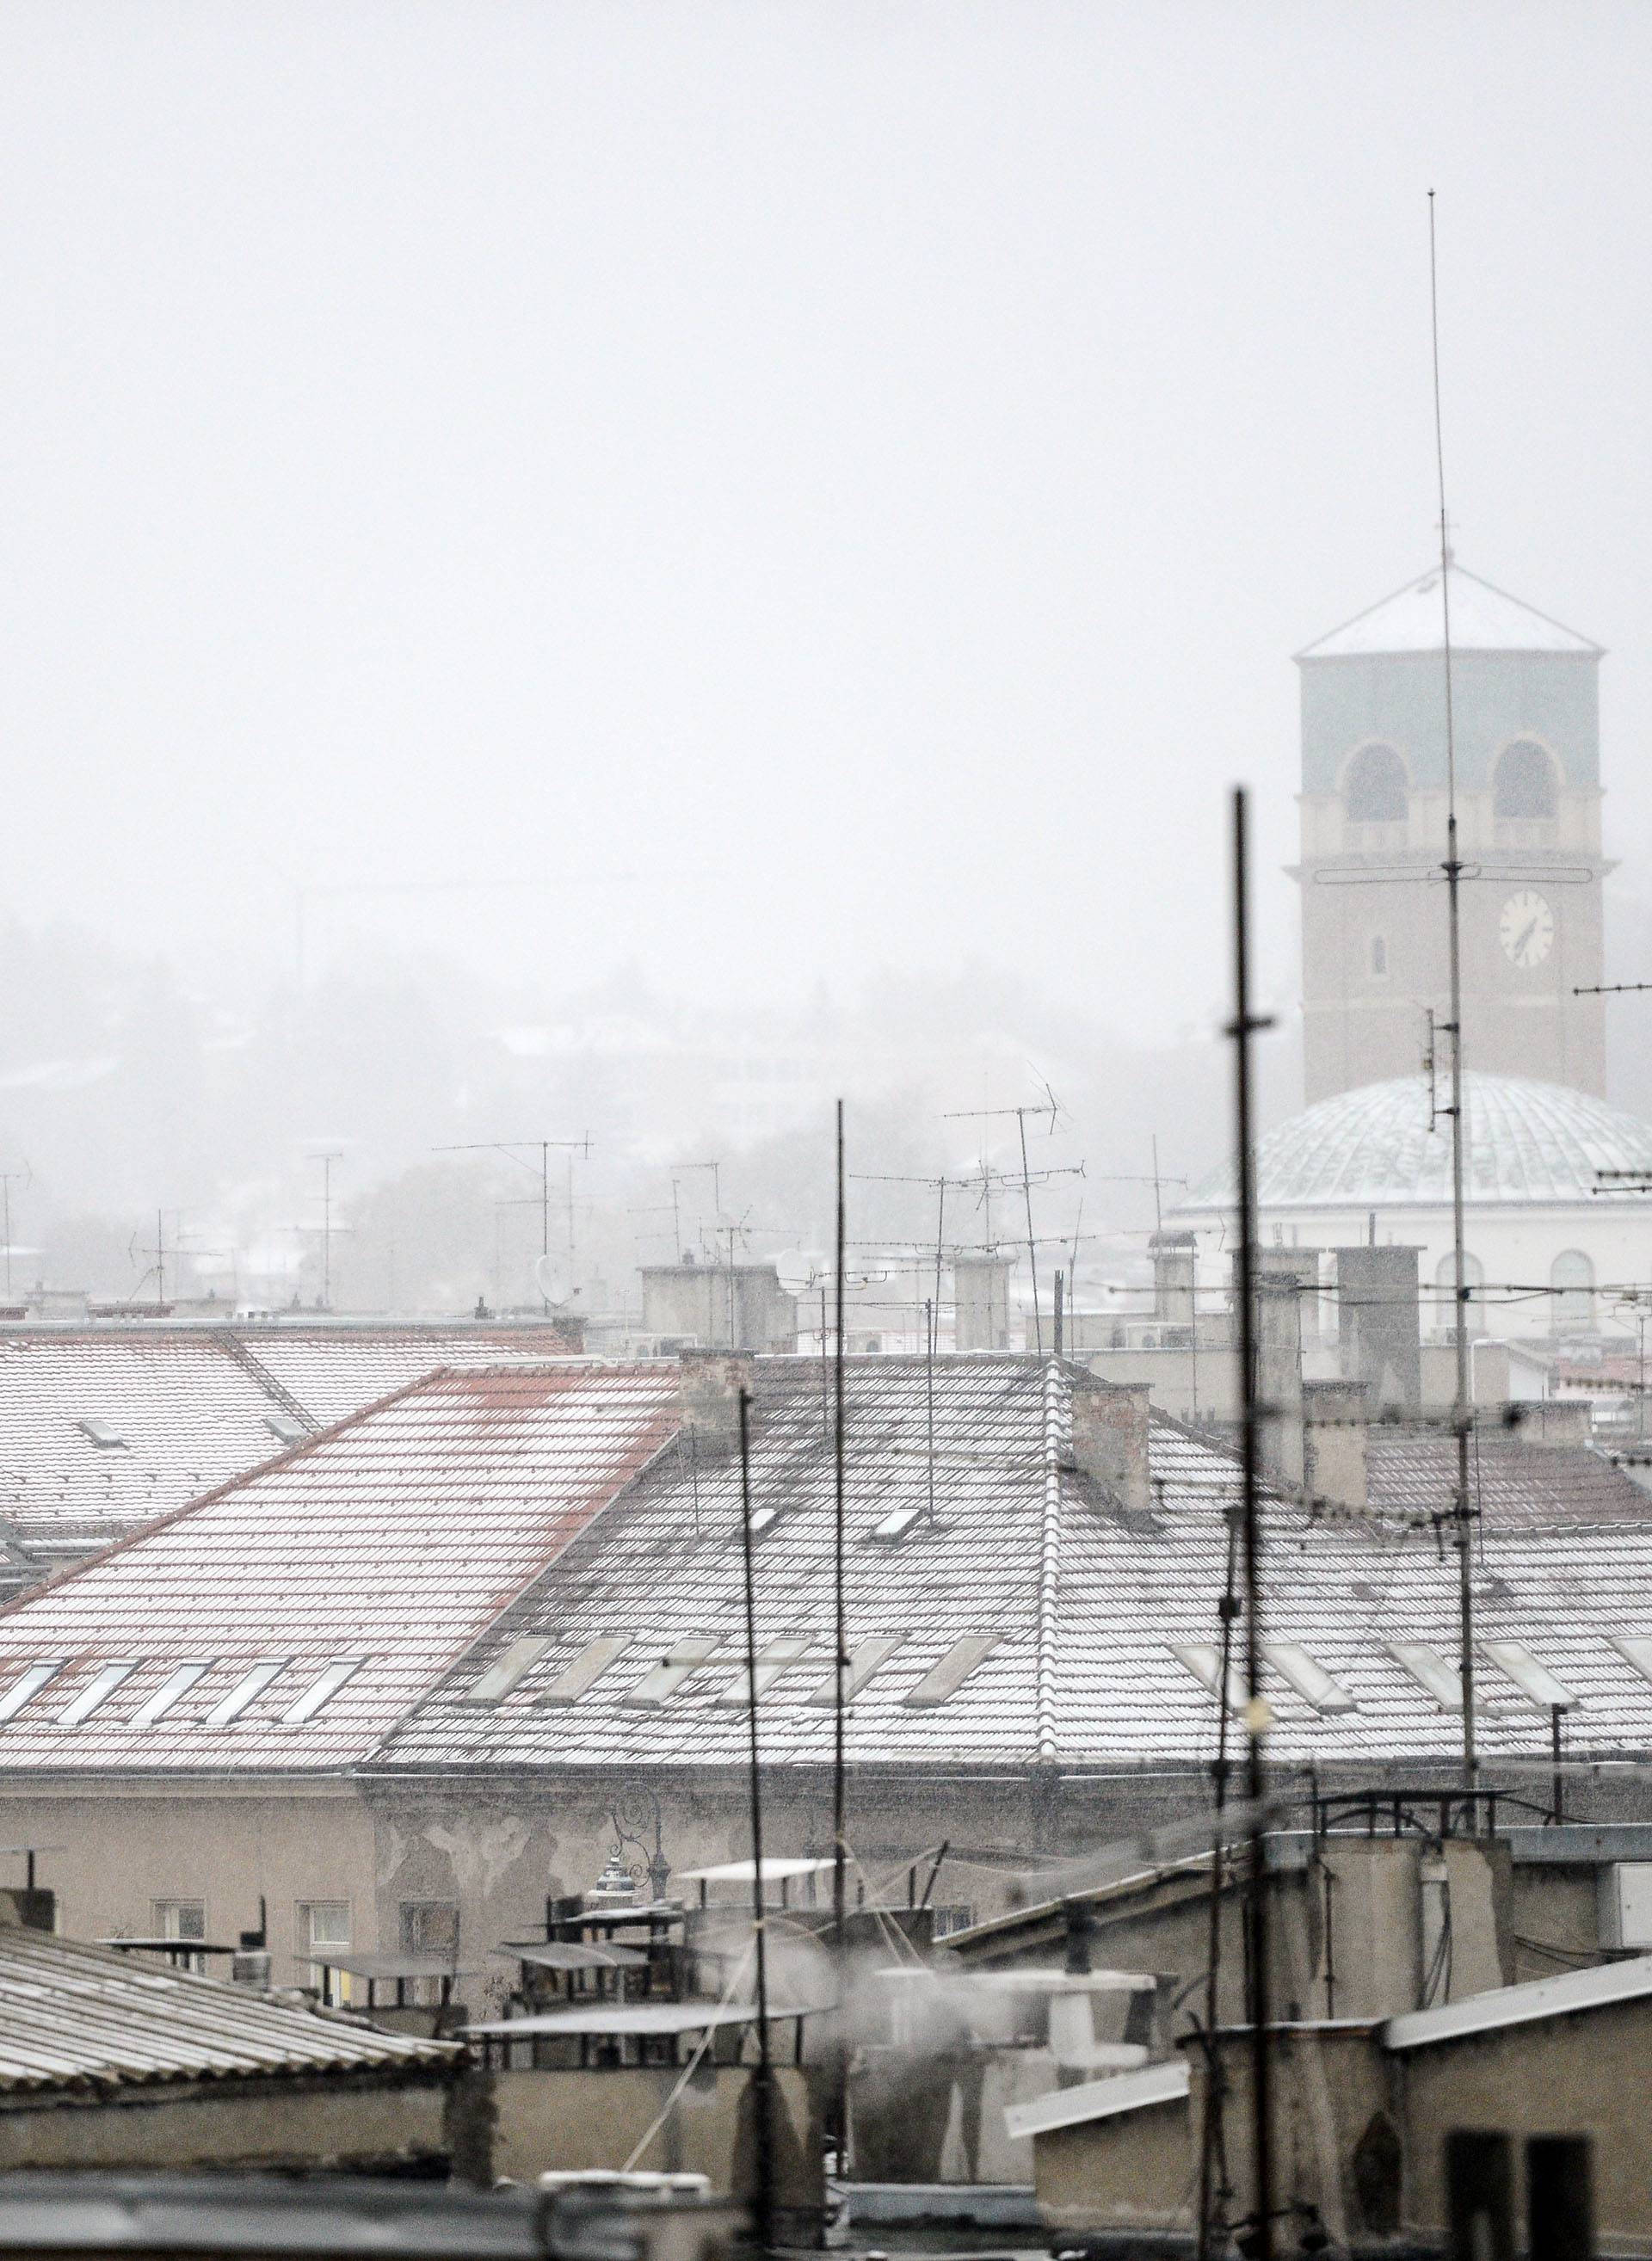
181	1409
386	1544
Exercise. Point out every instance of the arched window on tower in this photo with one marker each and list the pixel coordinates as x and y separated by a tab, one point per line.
1375	788
1572	1277
1523	790
1446	1290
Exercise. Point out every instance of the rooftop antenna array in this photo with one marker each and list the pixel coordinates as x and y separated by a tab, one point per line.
520	1151
1050	1108
327	1160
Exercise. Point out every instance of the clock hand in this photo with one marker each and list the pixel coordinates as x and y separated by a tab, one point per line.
1527	931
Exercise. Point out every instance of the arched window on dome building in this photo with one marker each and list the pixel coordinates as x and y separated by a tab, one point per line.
1523	789
1376	789
1572	1277
1446	1290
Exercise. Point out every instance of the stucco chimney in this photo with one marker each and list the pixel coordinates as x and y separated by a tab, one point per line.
1380	1325
981	1308
1333	1429
1174	1259
1282	1275
709	1382
1110	1439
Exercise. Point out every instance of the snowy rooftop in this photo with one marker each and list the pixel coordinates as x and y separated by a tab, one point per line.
1483	618
518	1571
1372	1148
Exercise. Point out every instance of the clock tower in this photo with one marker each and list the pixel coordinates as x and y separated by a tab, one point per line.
1374	935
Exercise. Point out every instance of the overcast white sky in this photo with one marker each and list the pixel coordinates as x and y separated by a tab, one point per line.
861	468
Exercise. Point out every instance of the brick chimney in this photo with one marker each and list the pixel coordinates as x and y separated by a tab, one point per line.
1110	1439
1380	1325
708	1386
1334	1431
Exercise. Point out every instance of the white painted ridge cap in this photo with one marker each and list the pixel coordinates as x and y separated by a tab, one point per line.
1100	2100
1518	2005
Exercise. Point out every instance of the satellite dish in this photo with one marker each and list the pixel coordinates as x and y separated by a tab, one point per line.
551	1277
794	1271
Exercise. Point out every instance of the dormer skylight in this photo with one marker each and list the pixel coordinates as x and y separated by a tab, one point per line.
176	1685
866	1657
343	1668
97	1690
680	1661
773	1658
1203	1660
107	1438
945	1679
517	1661
1431	1672
27	1686
1535	1682
893	1527
1303	1671
585	1669
290	1430
247	1690
1635	1648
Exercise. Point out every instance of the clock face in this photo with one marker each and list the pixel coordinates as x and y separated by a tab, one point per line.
1527	929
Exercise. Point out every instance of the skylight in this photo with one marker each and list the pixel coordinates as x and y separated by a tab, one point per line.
324	1689
503	1674
1635	1648
1203	1660
289	1430
1431	1672
174	1685
774	1658
865	1658
97	1690
247	1690
946	1678
895	1525
585	1669
679	1661
107	1439
1534	1680
30	1684
1303	1671
763	1519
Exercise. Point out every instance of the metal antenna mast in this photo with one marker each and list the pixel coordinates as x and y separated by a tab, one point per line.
7	1178
984	1114
326	1161
840	1687
1256	1910
1463	1413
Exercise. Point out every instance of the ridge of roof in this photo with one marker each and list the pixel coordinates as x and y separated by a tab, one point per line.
1323	647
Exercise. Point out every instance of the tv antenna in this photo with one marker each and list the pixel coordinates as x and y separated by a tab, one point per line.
520	1151
1050	1107
24	1177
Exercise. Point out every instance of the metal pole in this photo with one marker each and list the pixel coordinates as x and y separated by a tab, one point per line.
1033	1247
1255	1711
840	1936
1462	1408
930	1321
765	2077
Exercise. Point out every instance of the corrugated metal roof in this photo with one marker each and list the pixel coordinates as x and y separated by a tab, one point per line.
393	1540
82	2017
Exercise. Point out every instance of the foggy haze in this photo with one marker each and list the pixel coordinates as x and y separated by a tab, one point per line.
775	524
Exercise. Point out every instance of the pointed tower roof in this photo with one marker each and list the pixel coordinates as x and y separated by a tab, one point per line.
1483	618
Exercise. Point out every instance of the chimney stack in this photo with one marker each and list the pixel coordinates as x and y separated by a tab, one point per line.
1333	1442
1110	1439
981	1309
1174	1277
709	1382
1282	1276
1381	1328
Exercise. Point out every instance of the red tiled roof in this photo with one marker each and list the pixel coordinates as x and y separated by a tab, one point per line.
394	1538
